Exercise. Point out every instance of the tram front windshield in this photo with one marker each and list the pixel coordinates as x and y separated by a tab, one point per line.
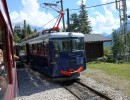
64	45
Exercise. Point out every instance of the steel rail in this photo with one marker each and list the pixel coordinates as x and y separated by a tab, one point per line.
101	95
95	91
72	93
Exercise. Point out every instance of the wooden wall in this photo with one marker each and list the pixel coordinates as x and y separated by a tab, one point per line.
94	50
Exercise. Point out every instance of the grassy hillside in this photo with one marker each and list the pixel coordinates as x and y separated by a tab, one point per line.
119	70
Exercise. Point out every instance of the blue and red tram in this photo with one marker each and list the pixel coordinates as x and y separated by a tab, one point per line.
8	72
60	55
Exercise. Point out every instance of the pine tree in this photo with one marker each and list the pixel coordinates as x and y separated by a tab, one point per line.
128	41
84	23
28	30
35	30
18	35
74	23
118	47
80	23
17	39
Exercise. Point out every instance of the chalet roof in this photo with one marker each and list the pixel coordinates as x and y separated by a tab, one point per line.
95	38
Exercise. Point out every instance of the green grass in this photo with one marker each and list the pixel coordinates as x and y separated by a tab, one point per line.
120	70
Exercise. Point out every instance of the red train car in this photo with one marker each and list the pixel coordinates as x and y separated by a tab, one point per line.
8	72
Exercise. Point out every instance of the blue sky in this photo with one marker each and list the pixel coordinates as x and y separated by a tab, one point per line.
103	19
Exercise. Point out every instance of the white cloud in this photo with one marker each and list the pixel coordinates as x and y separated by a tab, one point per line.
93	21
100	22
104	23
30	6
105	1
31	13
107	20
128	6
111	7
79	2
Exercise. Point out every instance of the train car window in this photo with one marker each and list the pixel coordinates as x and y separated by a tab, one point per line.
34	48
74	46
45	47
62	45
65	45
56	45
30	48
81	44
77	44
39	48
22	51
3	64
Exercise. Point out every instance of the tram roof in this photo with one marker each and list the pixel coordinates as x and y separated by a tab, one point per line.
52	35
65	34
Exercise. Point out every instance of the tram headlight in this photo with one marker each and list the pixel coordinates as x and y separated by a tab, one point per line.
56	55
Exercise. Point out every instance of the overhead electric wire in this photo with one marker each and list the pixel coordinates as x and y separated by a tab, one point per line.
79	9
95	5
46	23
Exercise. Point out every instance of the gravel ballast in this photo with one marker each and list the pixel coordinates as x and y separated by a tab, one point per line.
33	86
106	90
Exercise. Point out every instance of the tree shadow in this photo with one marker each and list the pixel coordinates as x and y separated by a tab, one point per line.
31	82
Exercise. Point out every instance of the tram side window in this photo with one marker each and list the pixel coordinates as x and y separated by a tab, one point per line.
22	51
34	48
45	47
30	48
74	47
39	48
3	64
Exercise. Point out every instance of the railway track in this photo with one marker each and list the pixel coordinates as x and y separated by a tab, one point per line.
83	92
80	90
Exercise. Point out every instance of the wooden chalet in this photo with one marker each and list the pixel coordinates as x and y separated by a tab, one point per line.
94	46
